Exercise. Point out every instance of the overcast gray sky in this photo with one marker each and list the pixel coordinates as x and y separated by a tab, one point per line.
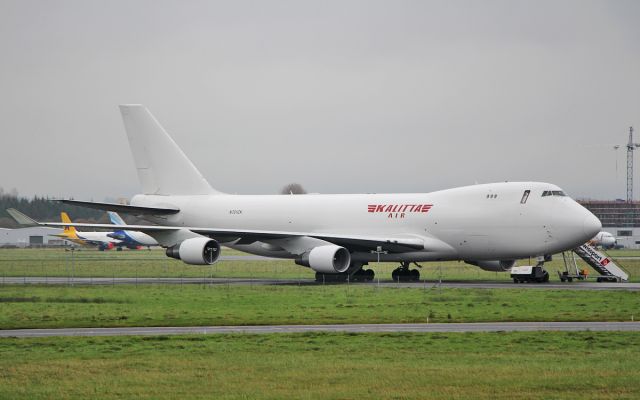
340	96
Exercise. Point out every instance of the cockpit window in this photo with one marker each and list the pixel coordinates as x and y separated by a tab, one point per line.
525	196
553	193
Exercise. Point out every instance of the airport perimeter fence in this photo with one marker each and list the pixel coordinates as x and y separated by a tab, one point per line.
88	267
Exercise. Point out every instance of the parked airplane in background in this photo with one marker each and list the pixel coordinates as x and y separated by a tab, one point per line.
129	239
604	240
99	239
489	225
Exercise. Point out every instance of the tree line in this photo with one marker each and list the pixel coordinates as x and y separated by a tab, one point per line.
43	209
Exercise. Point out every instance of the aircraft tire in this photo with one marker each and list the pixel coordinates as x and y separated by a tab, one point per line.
415	275
369	275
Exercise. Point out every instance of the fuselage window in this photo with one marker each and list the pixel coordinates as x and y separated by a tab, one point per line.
525	196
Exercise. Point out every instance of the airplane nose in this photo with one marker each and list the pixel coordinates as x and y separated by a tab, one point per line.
591	225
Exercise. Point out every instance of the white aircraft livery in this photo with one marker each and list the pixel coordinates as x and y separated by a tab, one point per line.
487	225
604	240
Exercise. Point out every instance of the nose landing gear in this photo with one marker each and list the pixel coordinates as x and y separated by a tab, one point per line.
535	274
404	274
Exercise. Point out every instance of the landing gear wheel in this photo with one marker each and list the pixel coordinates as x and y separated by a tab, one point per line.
543	277
404	274
415	275
363	275
370	275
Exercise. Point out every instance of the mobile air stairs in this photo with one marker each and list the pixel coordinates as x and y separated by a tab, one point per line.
609	271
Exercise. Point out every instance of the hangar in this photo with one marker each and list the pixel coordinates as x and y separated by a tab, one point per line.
36	236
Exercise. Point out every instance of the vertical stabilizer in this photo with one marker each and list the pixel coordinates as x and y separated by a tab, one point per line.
115	218
69	231
163	168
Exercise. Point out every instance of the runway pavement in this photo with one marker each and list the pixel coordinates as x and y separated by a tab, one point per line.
358	328
41	280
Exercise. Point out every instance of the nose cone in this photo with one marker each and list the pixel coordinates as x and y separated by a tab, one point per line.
573	225
591	225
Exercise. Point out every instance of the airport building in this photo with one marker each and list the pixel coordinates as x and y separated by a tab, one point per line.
618	217
30	237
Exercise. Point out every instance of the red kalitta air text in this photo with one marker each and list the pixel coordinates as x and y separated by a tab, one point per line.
398	210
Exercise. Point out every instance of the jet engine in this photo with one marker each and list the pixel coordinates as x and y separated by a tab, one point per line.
196	251
494	266
329	259
116	235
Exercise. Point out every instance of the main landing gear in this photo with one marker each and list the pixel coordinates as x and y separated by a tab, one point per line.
363	275
360	275
404	274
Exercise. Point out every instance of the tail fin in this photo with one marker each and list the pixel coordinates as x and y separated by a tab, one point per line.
115	218
163	168
68	230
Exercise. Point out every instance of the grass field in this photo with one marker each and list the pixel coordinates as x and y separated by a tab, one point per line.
541	365
174	305
143	263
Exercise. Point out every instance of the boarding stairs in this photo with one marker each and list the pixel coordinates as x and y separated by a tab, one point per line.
600	262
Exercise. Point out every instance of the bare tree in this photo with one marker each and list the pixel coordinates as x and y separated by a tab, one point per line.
293	188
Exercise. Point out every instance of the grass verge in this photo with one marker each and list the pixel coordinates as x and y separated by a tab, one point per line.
541	365
174	305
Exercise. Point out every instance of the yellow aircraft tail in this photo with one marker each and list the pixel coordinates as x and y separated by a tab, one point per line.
69	231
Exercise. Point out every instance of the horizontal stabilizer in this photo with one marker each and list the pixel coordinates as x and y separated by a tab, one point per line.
20	218
122	207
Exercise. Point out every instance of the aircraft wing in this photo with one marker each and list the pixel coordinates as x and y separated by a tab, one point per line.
354	242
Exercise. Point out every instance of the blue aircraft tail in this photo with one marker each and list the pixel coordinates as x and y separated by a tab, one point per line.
115	218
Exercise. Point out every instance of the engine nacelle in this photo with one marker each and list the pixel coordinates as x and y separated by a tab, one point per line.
196	251
116	235
494	266
329	259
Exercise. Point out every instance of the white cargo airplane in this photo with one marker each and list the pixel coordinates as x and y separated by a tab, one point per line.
488	225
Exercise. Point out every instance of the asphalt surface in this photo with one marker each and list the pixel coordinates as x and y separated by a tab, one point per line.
361	328
41	280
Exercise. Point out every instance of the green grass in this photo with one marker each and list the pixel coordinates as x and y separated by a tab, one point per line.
27	306
143	263
541	365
